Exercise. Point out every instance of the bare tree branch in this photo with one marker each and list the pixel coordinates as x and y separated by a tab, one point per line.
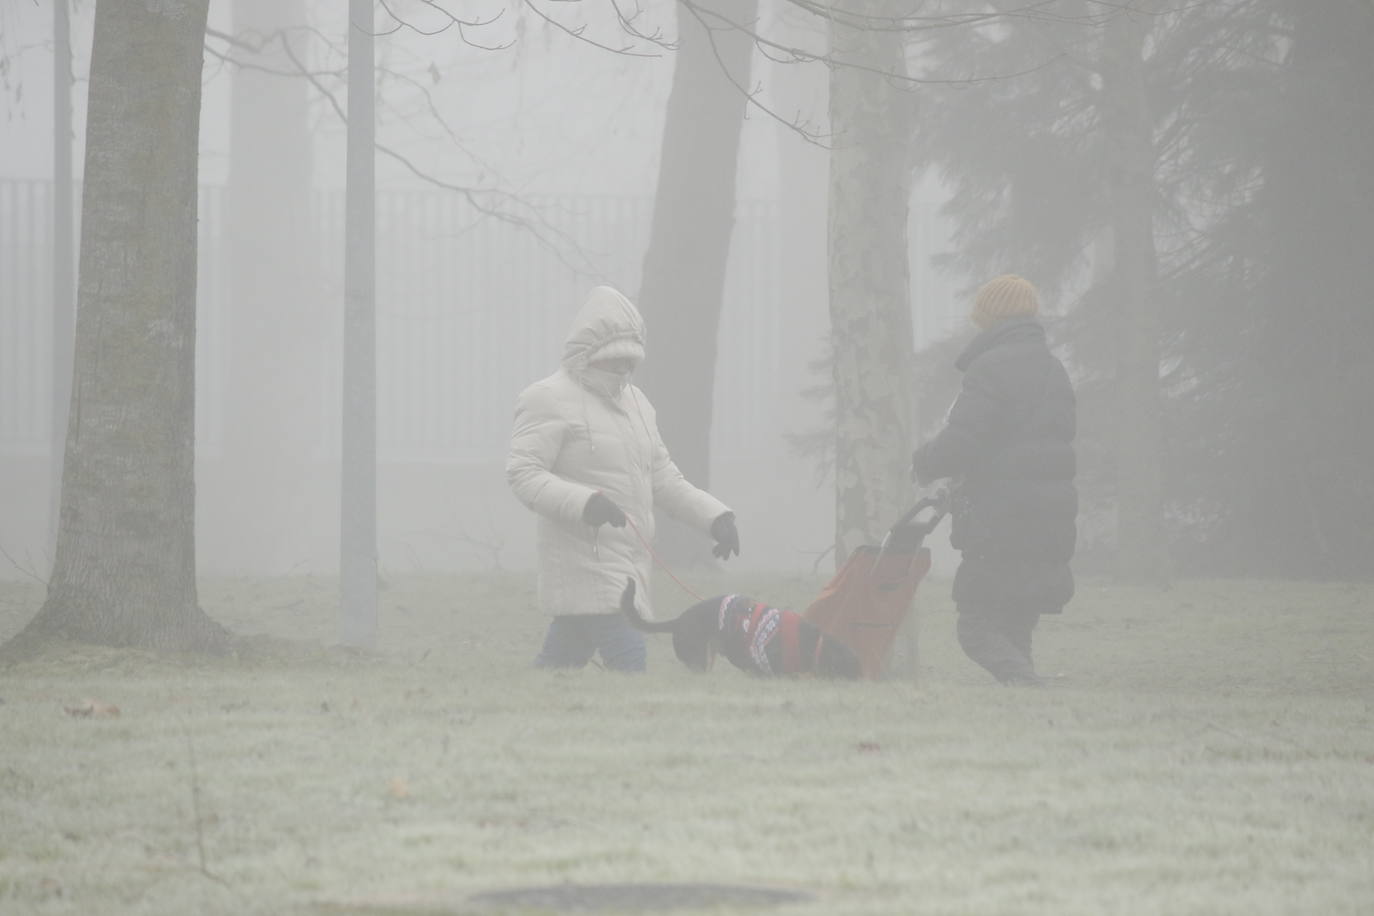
492	203
801	55
452	21
26	570
627	22
533	222
751	97
579	32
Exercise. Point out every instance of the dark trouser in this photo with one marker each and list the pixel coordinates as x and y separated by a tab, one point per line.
999	639
572	640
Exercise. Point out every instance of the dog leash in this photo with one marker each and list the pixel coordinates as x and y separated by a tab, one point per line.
658	561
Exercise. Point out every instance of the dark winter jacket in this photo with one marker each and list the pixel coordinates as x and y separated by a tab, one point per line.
1008	442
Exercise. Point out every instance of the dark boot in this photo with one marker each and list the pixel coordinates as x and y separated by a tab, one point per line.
987	639
1019	625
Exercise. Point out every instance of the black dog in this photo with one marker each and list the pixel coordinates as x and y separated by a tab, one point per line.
753	636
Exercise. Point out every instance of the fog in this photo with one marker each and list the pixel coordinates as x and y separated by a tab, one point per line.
561	139
1087	277
1187	189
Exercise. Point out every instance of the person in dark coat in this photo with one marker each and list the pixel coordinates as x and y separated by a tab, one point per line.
1008	445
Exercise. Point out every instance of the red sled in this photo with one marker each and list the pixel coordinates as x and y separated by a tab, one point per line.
869	598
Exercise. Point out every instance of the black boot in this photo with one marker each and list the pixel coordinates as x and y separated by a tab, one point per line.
985	638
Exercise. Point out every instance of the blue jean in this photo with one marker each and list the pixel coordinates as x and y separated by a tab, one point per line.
572	640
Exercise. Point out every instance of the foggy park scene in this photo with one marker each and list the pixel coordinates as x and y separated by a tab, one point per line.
730	456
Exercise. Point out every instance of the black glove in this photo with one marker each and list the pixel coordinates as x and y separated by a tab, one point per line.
727	537
918	458
599	510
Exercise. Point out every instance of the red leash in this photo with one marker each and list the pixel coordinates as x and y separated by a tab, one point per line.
659	562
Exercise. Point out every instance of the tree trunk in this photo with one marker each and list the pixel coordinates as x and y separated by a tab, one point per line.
871	120
125	571
63	292
1141	553
358	496
689	243
269	430
1310	319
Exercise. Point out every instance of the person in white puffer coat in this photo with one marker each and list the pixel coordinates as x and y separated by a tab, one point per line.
587	457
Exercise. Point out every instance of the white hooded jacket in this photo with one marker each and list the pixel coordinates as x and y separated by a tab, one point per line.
570	440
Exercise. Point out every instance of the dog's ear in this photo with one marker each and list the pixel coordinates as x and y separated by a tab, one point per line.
699	631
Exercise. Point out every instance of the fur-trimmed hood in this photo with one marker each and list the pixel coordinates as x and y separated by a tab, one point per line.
608	326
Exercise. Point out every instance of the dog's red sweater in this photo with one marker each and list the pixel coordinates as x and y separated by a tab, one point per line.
759	638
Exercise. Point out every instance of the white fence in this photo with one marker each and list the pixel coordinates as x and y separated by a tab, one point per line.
469	311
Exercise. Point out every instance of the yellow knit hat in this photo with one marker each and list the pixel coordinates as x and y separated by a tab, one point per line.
1003	297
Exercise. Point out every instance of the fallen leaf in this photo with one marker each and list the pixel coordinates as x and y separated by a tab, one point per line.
869	747
398	788
92	709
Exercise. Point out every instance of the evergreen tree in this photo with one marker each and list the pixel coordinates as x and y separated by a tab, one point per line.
1262	130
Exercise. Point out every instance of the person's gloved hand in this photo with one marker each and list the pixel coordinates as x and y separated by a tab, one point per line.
726	535
599	510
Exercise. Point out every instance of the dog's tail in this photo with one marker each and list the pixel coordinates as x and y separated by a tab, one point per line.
627	605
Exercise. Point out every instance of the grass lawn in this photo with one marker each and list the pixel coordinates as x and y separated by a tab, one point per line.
1207	750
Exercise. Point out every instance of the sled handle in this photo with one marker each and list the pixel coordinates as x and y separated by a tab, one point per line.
938	502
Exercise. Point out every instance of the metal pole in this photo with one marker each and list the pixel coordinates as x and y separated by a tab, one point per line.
63	280
358	515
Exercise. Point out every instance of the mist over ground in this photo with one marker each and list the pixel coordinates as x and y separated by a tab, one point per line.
203	713
471	307
1188	762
